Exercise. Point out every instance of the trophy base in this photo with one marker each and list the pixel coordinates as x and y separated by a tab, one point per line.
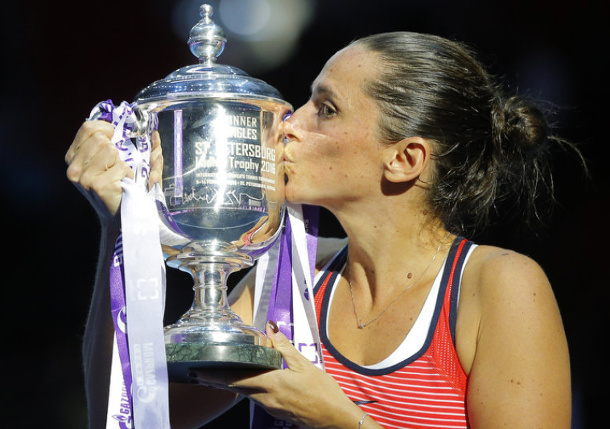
184	357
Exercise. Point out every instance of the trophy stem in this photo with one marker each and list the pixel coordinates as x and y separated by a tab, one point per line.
210	318
210	334
211	288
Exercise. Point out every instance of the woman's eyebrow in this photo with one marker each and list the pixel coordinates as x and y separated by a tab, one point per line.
321	89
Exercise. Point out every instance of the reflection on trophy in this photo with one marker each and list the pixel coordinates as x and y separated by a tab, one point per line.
221	200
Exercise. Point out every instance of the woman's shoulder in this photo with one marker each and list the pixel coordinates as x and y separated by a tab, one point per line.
503	294
497	275
492	264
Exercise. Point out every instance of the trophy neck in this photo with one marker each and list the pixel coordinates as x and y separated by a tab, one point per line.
201	258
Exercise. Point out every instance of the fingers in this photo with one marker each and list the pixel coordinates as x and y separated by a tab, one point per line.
289	394
95	167
249	381
293	358
92	139
85	132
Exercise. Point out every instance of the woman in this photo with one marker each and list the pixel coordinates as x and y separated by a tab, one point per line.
410	144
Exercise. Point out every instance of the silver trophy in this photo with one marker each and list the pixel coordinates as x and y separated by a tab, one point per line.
221	201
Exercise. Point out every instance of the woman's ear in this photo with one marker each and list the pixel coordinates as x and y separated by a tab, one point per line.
407	159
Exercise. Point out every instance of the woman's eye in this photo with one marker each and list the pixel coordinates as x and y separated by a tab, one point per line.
325	110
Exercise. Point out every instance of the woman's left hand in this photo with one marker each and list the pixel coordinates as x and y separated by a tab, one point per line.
301	394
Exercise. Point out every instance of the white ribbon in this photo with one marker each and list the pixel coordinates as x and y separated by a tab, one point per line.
144	299
306	334
144	290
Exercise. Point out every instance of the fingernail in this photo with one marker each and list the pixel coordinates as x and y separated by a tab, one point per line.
273	326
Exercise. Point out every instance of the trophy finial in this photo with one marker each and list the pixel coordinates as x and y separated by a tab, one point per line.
206	11
206	39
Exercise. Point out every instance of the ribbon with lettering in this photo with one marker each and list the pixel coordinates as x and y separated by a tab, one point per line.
290	266
138	392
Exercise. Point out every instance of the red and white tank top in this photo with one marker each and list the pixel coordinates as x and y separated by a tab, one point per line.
421	384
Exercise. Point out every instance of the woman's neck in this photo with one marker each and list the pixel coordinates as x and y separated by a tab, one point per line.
390	249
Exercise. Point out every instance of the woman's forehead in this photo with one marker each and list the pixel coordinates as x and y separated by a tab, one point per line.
348	68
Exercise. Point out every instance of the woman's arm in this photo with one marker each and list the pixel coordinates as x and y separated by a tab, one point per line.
193	405
302	394
520	374
96	169
98	336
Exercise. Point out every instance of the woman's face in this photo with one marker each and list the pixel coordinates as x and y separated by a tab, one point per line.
333	155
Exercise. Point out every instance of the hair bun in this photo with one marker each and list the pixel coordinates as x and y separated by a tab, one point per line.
524	123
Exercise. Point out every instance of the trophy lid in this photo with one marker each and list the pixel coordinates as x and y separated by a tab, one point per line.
207	79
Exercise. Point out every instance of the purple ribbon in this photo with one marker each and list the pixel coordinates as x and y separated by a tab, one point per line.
117	308
137	277
280	305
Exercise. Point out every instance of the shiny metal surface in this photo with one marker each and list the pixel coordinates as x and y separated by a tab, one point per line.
222	193
208	79
223	180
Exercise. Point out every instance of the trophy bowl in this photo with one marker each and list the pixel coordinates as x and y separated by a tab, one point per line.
221	197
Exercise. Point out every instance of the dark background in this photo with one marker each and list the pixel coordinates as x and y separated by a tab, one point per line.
60	58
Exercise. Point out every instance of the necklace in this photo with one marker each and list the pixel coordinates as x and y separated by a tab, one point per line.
362	325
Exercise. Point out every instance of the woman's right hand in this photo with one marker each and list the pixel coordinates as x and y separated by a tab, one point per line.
96	169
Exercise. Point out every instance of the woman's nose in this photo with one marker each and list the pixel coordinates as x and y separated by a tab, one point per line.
292	131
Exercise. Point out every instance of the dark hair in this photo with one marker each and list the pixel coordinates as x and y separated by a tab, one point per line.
489	148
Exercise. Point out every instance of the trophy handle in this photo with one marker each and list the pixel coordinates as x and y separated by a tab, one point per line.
144	123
